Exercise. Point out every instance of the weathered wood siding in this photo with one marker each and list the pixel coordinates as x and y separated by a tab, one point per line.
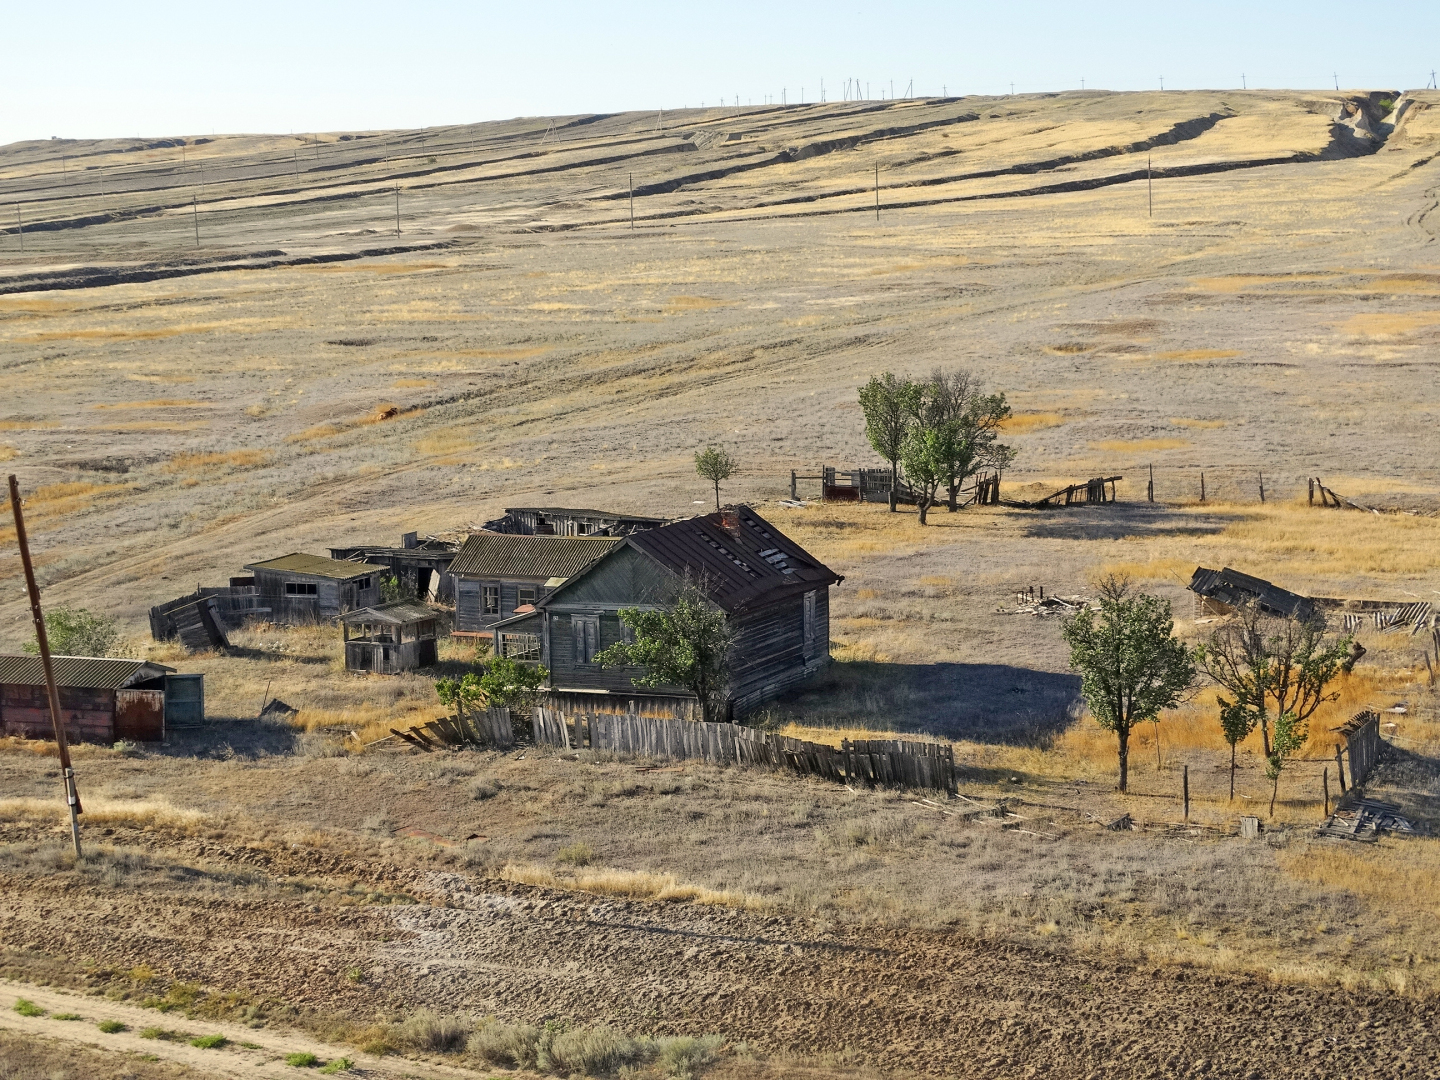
769	654
470	616
390	658
88	715
331	598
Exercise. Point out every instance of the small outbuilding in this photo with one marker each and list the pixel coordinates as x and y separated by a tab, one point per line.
422	564
101	699
497	575
300	588
1219	592
564	521
390	638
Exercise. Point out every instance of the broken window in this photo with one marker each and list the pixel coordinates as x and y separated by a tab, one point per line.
299	588
522	647
527	594
491	596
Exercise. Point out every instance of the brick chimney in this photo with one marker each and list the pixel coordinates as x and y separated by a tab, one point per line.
730	520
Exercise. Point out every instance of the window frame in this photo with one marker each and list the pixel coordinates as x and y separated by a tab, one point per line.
486	593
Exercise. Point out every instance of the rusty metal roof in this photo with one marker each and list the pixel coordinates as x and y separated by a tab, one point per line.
739	558
506	556
318	566
400	612
88	672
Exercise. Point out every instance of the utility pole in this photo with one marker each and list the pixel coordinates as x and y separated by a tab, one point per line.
1162	84
397	209
1336	77
1082	82
21	224
632	200
877	192
67	771
1149	185
1012	89
1242	82
195	209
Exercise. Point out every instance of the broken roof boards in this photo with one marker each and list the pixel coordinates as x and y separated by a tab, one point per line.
1227	589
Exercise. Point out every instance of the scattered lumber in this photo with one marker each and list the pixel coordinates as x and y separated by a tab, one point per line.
1365	820
1087	493
487	729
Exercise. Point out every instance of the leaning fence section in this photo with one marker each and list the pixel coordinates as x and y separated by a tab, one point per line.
873	763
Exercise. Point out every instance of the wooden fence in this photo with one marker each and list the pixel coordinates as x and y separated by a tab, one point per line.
873	763
487	727
1362	744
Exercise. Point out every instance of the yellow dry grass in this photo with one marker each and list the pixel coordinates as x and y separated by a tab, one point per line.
1022	423
104	811
120	335
1186	422
154	425
26	425
155	403
693	303
632	884
1070	348
1388	324
1198	354
1374	872
8	452
407	384
1120	445
238	459
384	411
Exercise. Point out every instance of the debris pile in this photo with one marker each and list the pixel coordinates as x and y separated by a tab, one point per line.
1042	605
1365	820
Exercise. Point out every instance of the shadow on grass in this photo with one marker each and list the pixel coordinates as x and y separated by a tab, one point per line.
988	703
1120	521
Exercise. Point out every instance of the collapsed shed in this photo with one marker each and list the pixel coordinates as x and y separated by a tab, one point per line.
1219	592
564	521
421	564
101	699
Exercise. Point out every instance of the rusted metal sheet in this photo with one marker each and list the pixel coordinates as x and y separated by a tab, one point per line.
88	714
140	715
80	671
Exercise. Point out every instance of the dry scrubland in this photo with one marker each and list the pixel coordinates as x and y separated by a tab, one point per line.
175	413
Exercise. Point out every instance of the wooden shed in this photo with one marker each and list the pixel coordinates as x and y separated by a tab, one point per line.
300	588
775	595
422	564
101	699
495	575
390	638
564	521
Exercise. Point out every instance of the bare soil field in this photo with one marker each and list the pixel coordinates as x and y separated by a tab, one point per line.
304	375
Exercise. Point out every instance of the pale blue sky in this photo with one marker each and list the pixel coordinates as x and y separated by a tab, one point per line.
120	69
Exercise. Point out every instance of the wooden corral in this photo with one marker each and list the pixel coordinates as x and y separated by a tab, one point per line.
300	588
1101	489
390	638
101	699
774	594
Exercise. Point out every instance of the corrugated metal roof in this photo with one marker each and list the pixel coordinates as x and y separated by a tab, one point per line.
742	560
1233	587
89	672
497	555
318	566
402	611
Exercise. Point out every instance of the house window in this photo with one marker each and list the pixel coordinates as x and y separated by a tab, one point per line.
527	594
491	596
522	647
587	637
362	583
299	588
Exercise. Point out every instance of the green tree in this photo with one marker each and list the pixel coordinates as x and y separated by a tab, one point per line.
510	684
1290	735
685	644
1237	721
890	406
929	455
715	465
395	588
1273	664
79	632
461	694
957	398
1130	663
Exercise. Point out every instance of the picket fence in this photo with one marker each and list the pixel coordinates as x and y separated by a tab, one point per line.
873	763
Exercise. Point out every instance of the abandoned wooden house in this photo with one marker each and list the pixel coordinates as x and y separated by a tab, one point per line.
1219	592
498	575
420	564
299	588
774	593
389	638
560	521
101	699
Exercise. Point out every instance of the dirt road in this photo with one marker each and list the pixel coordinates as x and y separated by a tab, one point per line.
933	1003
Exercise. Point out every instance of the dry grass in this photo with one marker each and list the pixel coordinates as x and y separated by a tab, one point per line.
8	452
1125	445
154	403
1198	354
99	811
26	425
230	459
632	884
1186	422
1024	423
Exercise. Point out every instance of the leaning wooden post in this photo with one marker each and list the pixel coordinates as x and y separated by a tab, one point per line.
1310	483
1186	789
793	496
1150	488
1340	769
1202	487
1325	781
67	772
1262	487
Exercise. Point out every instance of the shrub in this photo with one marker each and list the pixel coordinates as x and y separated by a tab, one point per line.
591	1050
156	1033
67	1016
512	1045
26	1007
683	1055
302	1060
78	632
110	1027
429	1031
579	854
337	1066
484	789
209	1042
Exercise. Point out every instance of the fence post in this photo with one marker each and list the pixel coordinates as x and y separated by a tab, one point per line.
1202	487
1186	782
1340	769
1310	484
1325	780
793	496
